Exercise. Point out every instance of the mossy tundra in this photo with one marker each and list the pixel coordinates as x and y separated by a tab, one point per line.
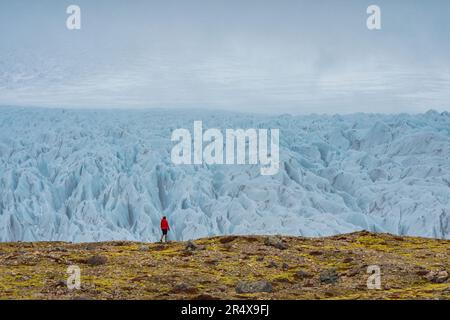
212	268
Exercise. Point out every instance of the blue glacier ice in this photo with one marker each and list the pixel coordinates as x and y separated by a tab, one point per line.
95	175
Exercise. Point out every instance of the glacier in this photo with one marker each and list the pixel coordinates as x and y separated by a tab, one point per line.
96	175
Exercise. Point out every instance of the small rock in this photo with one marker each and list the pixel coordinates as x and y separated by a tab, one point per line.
347	260
138	279
253	287
302	275
223	288
316	253
90	246
437	276
96	260
61	283
143	248
24	278
285	266
276	243
272	264
184	288
150	264
260	258
352	272
329	276
212	262
442	276
227	239
191	246
229	246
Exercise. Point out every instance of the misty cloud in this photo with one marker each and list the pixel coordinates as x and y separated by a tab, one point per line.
265	56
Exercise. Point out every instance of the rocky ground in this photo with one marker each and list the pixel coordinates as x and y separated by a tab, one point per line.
247	267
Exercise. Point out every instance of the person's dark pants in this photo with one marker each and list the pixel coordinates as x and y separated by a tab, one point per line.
164	235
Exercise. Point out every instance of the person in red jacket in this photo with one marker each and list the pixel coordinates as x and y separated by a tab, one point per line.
164	228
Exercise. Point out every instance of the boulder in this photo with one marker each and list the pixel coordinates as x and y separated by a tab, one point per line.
276	243
97	260
437	276
253	287
191	246
329	276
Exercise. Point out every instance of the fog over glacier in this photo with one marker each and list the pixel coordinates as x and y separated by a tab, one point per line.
290	56
92	175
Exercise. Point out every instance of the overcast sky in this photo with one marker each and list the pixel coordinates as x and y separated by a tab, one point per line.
270	56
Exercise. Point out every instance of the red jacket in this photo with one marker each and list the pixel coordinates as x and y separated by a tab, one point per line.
164	224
